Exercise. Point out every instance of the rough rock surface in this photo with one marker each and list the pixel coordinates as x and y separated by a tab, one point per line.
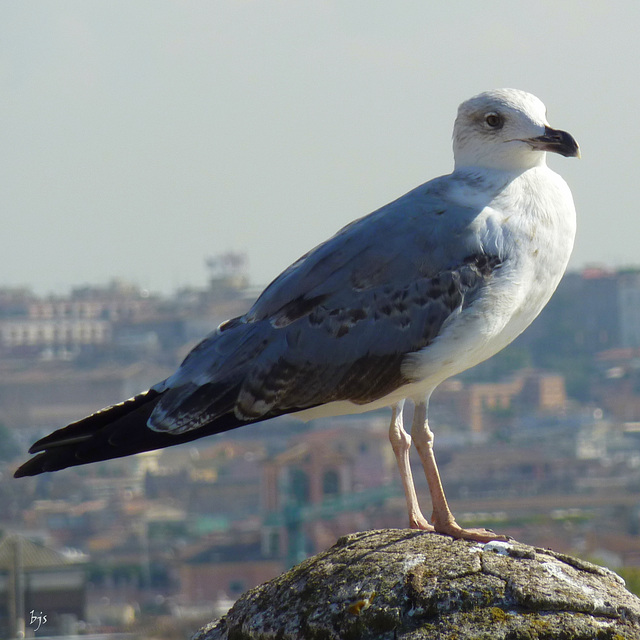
413	585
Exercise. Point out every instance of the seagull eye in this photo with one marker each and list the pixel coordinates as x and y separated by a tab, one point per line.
493	120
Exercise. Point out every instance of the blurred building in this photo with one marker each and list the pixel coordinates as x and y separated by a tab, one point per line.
224	566
39	587
482	407
51	396
628	300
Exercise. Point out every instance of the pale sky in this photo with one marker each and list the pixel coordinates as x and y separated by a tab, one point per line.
139	137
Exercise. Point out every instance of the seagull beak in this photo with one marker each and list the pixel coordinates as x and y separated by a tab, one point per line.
556	141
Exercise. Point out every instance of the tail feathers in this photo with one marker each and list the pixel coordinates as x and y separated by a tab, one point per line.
87	427
114	432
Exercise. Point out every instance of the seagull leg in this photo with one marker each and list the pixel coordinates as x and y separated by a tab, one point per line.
401	444
442	518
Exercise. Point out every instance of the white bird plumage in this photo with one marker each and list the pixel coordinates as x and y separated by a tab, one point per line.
392	305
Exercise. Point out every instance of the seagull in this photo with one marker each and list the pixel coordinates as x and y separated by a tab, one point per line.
393	304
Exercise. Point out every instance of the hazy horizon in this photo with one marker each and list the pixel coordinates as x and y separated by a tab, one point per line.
252	284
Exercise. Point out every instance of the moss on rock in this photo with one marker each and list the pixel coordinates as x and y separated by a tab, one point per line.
412	585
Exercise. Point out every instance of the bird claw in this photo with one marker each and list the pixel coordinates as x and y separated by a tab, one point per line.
454	530
421	523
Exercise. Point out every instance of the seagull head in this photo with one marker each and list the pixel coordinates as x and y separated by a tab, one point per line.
507	129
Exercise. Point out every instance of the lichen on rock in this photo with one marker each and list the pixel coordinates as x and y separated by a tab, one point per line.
413	585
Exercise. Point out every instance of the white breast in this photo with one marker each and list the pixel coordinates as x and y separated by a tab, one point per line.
534	234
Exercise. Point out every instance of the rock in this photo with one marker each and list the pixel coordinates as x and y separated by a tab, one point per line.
413	585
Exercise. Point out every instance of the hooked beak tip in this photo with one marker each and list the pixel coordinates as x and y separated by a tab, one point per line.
556	141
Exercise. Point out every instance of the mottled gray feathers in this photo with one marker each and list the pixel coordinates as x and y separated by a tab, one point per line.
320	349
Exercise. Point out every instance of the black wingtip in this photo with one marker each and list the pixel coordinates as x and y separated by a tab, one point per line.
32	467
45	443
63	448
113	433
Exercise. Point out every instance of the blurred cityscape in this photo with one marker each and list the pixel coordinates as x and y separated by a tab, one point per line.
541	443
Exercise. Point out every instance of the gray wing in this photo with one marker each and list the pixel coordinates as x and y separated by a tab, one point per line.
339	322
